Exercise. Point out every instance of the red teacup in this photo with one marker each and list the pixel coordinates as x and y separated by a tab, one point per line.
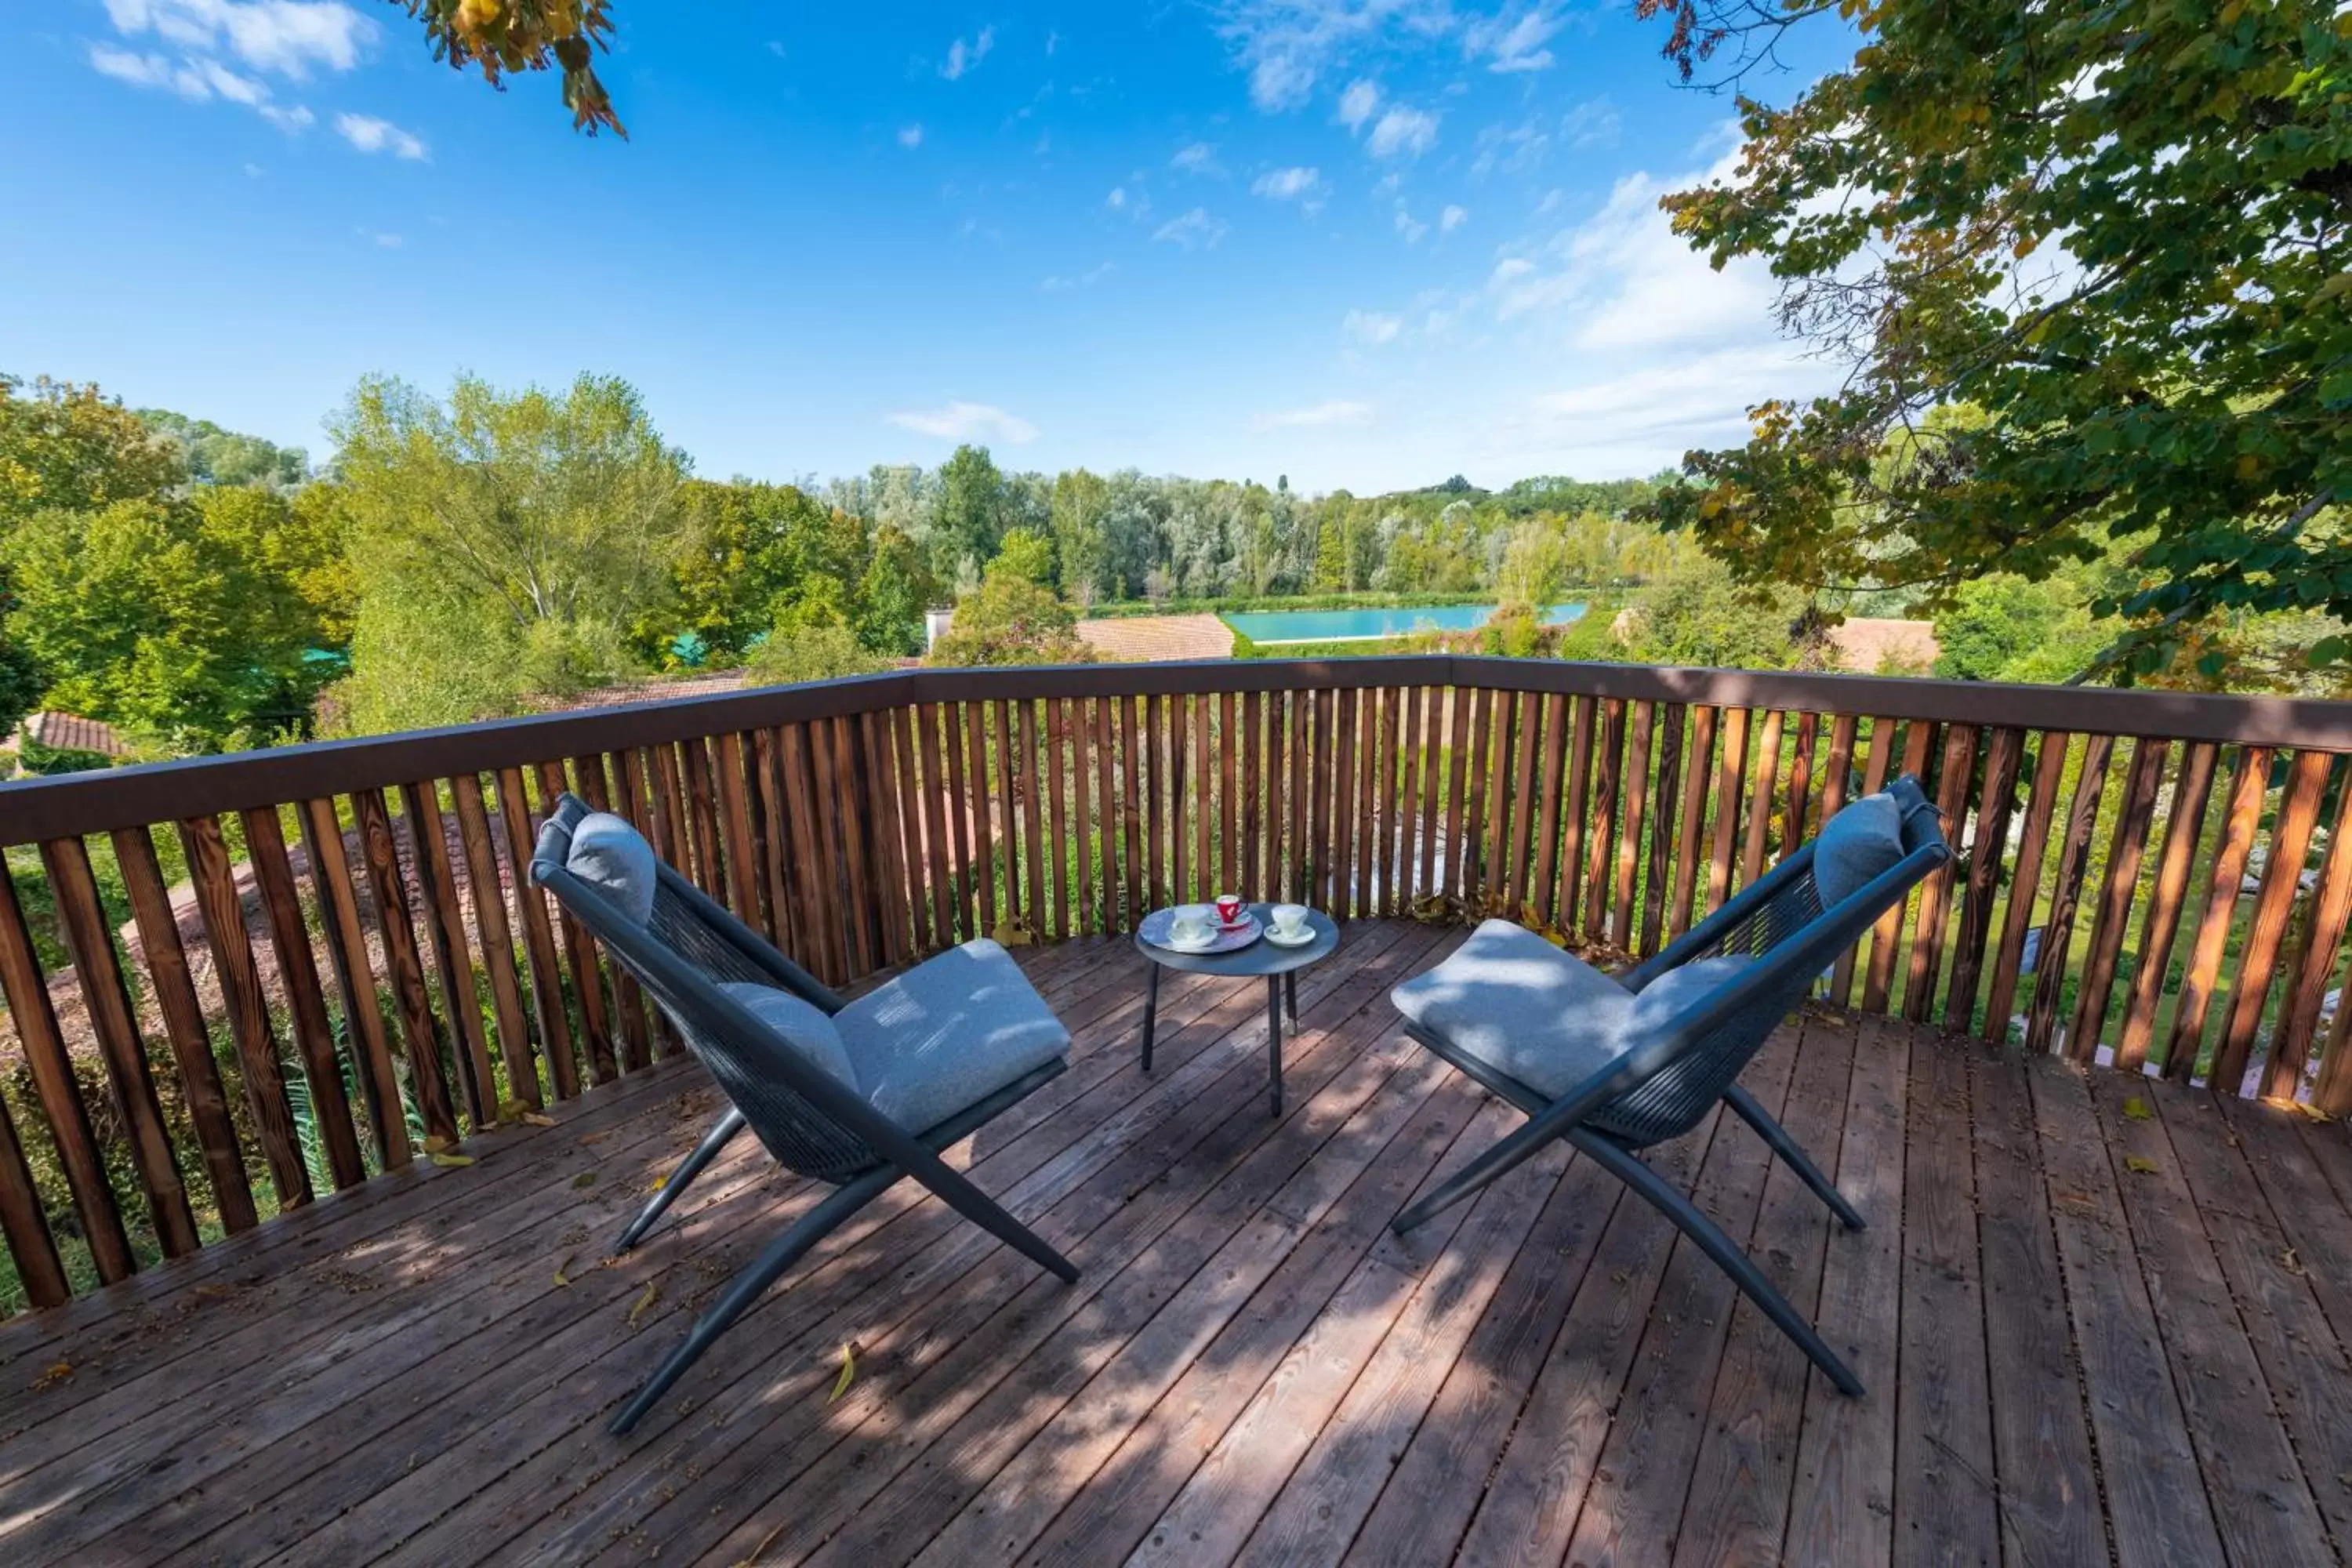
1229	908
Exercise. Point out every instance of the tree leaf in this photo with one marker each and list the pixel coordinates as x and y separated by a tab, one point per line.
449	1161
848	1372
2137	1110
644	1302
2140	1164
562	1270
584	1179
536	1119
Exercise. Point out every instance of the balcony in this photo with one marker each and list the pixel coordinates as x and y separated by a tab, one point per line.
315	1262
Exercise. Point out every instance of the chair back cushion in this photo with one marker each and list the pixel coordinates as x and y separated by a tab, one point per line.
1858	846
949	1033
613	858
802	1025
1522	1006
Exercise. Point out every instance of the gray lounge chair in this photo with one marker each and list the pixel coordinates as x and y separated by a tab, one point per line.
1616	1065
856	1095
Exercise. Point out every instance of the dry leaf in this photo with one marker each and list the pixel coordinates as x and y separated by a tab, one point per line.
848	1372
448	1162
2286	1102
2293	1264
439	1146
2139	1164
2137	1110
584	1179
644	1302
536	1119
56	1373
562	1277
1009	933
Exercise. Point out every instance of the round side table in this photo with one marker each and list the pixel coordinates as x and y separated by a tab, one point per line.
1280	967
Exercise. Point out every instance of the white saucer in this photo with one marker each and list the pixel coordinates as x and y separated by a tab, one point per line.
1274	934
1204	945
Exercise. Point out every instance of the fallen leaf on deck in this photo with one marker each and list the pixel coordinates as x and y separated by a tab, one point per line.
2137	1110
438	1145
2286	1102
584	1179
562	1278
2139	1164
1008	934
448	1162
2290	1262
644	1302
848	1372
56	1373
536	1119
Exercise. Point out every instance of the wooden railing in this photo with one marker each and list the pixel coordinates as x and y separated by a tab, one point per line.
354	976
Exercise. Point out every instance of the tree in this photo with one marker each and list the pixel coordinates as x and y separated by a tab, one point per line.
971	517
1702	618
2120	231
511	540
1081	502
502	37
1027	556
1009	620
70	446
811	652
217	456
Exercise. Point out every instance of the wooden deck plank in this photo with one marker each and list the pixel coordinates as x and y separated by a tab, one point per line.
1252	1367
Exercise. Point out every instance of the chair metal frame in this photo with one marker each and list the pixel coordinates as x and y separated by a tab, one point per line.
1788	961
811	1123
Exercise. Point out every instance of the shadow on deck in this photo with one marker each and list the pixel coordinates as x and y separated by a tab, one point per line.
2094	1315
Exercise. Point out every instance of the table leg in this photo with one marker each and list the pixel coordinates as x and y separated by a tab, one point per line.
1290	991
1274	1043
1151	1013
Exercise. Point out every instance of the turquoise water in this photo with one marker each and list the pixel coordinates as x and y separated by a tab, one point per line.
1340	626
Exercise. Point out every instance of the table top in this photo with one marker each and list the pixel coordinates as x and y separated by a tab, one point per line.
1260	957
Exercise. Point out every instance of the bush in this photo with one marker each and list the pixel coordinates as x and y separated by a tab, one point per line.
811	653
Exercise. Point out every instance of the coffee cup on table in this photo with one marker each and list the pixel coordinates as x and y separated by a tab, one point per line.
1229	908
1289	920
1190	923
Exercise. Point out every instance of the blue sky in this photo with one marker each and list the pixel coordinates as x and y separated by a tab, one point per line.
1363	243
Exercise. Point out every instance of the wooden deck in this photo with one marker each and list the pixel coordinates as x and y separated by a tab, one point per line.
2100	1319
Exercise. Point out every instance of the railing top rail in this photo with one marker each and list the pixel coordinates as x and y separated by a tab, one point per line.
38	809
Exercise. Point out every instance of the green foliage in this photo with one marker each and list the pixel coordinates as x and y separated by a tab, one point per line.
2008	628
213	456
504	546
50	761
500	37
811	652
1009	619
1701	617
71	448
755	556
1027	556
2118	232
971	517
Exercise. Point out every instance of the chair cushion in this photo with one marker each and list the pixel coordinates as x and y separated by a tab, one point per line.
1521	1006
1677	991
1859	845
614	858
947	1033
802	1025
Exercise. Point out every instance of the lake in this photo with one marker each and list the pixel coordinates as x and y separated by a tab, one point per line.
1351	626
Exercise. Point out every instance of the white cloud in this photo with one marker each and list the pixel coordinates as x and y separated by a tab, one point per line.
966	422
1403	131
1593	123
146	70
776	47
1451	218
1409	227
910	136
289	120
1200	158
1359	103
388	241
1370	328
1196	230
1288	185
1287	46
286	38
1086	279
1320	416
963	57
370	134
198	78
1512	43
1117	200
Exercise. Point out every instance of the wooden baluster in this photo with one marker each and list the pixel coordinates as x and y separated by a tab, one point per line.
548	1009
1016	897
429	843
960	824
1886	936
306	998
2161	926
395	925
2258	961
43	1043
97	975
628	1002
1763	787
702	810
1952	782
1281	714
1576	810
248	1007
2323	940
1082	773
865	906
1666	799
1635	793
1449	882
2116	899
1362	840
1203	801
190	1041
1608	793
1800	786
1517	893
2074	861
1343	807
482	875
980	809
1434	726
1375	807
1033	823
1183	783
1057	811
31	1246
1697	769
1874	773
733	806
1130	717
934	798
1107	821
1728	786
1545	811
580	947
1836	773
1478	830
1254	884
1164	730
1228	790
795	783
1986	851
2332	1095
2025	885
901	828
785	893
2248	787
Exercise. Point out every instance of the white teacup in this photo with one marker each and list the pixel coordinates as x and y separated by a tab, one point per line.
1190	923
1289	920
